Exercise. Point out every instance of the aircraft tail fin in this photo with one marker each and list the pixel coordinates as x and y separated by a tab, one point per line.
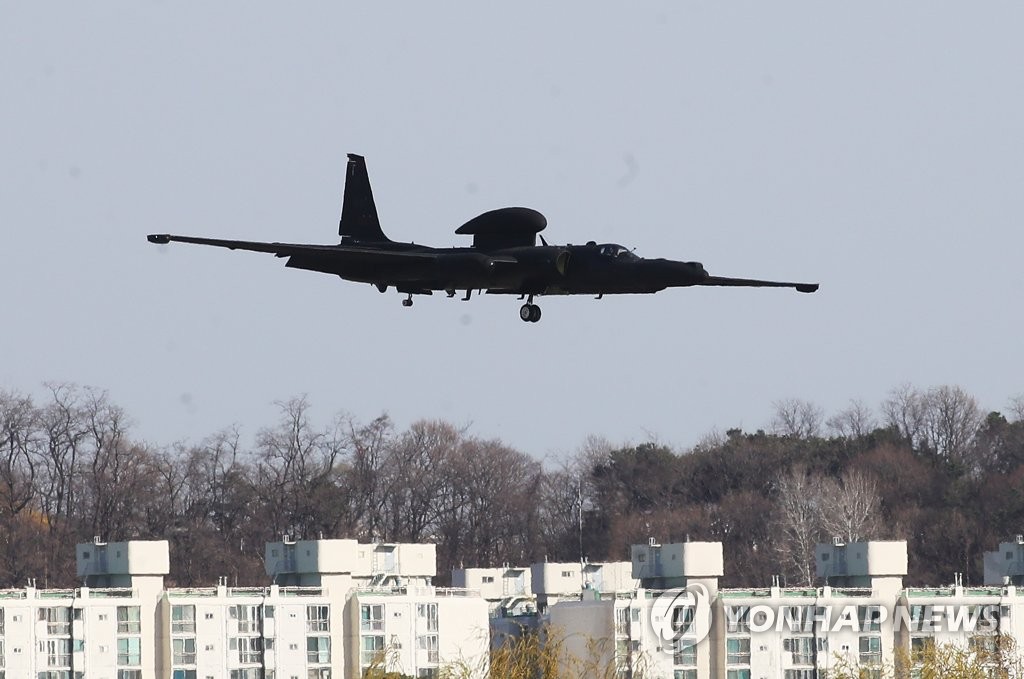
359	220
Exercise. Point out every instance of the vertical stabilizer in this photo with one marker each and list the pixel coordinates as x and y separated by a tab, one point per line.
358	213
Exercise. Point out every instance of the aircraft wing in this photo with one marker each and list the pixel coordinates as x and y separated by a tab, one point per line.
290	249
753	283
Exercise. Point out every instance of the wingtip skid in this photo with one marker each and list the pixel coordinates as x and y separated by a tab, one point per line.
160	238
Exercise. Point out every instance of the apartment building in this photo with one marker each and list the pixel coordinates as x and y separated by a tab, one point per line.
680	625
124	624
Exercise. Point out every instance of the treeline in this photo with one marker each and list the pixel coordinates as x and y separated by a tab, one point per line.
928	466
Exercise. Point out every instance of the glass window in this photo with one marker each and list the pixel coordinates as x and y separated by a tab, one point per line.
372	649
129	620
428	644
737	674
737	651
318	619
870	650
428	613
737	619
870	618
183	619
318	650
58	620
183	674
184	651
371	618
684	653
248	617
58	652
129	651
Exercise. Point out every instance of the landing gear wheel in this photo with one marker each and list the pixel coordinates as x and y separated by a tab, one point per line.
407	302
530	313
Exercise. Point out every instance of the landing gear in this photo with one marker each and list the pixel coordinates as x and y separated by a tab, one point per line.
529	312
407	301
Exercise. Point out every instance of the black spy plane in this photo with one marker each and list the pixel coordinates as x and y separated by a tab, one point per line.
504	258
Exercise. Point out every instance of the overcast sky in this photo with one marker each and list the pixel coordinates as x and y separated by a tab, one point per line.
876	148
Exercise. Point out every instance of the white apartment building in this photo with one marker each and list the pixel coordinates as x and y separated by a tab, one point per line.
552	582
417	630
628	627
124	624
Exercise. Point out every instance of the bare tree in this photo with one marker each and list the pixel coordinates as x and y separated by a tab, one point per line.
369	447
952	419
855	421
850	507
905	411
295	465
797	418
1017	408
798	519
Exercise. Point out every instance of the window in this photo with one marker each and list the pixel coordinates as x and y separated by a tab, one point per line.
428	644
58	653
870	618
58	620
129	651
684	653
427	673
250	649
371	618
800	674
802	649
318	673
1	621
737	619
250	673
183	674
318	650
1	652
248	617
183	619
870	650
428	613
566	574
129	674
682	618
268	612
684	674
737	651
737	674
184	651
129	620
622	621
318	619
919	646
487	579
372	649
799	618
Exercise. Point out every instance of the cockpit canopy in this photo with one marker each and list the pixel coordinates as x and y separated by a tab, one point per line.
616	251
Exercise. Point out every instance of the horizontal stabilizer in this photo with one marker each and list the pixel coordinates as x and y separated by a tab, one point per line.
754	283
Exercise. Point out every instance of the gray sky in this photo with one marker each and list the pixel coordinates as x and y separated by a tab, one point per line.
874	147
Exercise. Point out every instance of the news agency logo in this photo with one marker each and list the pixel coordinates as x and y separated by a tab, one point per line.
682	617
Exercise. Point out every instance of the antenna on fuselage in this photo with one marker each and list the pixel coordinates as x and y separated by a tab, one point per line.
542	240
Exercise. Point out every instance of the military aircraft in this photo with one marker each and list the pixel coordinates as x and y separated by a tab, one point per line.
504	258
